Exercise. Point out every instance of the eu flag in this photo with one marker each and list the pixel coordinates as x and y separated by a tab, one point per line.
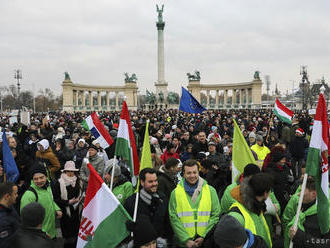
9	164
189	104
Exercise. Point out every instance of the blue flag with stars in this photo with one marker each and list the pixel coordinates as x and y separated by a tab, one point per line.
9	164
189	104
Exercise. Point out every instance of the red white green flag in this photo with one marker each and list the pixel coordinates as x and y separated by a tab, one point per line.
125	142
317	162
282	112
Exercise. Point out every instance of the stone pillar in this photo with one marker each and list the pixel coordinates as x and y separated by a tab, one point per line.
90	98
256	92
241	96
99	102
83	98
208	98
67	87
225	97
217	99
234	97
107	99
246	96
117	104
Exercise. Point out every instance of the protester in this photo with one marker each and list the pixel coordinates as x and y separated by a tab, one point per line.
40	191
194	207
9	219
30	234
46	155
167	177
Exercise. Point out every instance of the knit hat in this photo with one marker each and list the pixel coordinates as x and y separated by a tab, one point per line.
211	143
44	143
229	232
300	131
113	133
108	168
38	168
259	138
143	231
252	135
82	140
93	147
250	169
32	214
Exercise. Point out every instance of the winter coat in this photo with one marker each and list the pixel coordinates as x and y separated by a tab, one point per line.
178	228
166	155
9	223
157	211
45	198
298	146
98	164
49	159
69	224
79	155
308	234
283	180
185	156
166	182
199	147
245	196
261	152
27	237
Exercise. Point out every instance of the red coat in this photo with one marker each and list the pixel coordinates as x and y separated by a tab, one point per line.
165	156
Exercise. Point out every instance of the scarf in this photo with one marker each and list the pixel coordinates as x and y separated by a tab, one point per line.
64	182
148	198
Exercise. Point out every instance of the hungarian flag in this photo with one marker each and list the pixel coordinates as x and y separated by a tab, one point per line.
93	124
103	221
125	143
317	162
282	112
242	154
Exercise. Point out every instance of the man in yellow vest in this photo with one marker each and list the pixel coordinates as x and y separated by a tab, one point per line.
194	207
260	149
250	205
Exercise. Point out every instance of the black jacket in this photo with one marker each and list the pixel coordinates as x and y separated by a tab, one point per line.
157	211
9	223
166	183
298	146
26	237
199	147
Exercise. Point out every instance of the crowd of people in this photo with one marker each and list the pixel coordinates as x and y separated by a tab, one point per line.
188	199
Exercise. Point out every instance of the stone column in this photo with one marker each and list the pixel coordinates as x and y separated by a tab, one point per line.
246	96
241	96
90	98
208	98
117	104
107	99
99	102
234	97
83	98
225	97
217	99
76	97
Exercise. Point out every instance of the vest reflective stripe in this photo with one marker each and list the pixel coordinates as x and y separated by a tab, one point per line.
195	221
249	223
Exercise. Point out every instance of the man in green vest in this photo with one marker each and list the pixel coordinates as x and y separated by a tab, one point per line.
194	207
250	205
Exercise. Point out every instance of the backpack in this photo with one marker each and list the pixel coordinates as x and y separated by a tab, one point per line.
34	192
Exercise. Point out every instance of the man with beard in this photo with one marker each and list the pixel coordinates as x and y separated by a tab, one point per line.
151	203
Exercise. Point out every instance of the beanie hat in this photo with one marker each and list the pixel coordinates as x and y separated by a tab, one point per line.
252	135
108	168
32	214
250	169
277	156
229	232
44	143
300	131
143	231
82	140
259	138
38	168
93	147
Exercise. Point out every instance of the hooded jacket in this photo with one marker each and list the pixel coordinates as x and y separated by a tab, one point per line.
246	197
8	225
48	157
98	164
166	182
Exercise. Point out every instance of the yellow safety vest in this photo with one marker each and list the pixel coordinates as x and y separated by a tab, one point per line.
249	223
195	221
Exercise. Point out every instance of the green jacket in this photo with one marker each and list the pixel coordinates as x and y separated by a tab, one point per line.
177	226
45	198
123	191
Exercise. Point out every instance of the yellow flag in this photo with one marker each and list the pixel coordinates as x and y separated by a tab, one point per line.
146	153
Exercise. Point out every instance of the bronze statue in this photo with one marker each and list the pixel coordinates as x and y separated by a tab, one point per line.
256	75
194	77
133	78
160	13
173	98
161	97
150	97
67	76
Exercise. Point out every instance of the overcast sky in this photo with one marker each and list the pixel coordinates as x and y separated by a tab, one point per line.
97	41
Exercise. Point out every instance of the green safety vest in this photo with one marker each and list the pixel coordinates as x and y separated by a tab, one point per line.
249	223
195	221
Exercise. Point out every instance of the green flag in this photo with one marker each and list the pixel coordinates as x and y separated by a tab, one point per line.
146	153
242	154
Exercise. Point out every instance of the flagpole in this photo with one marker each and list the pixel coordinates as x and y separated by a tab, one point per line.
303	187
113	171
